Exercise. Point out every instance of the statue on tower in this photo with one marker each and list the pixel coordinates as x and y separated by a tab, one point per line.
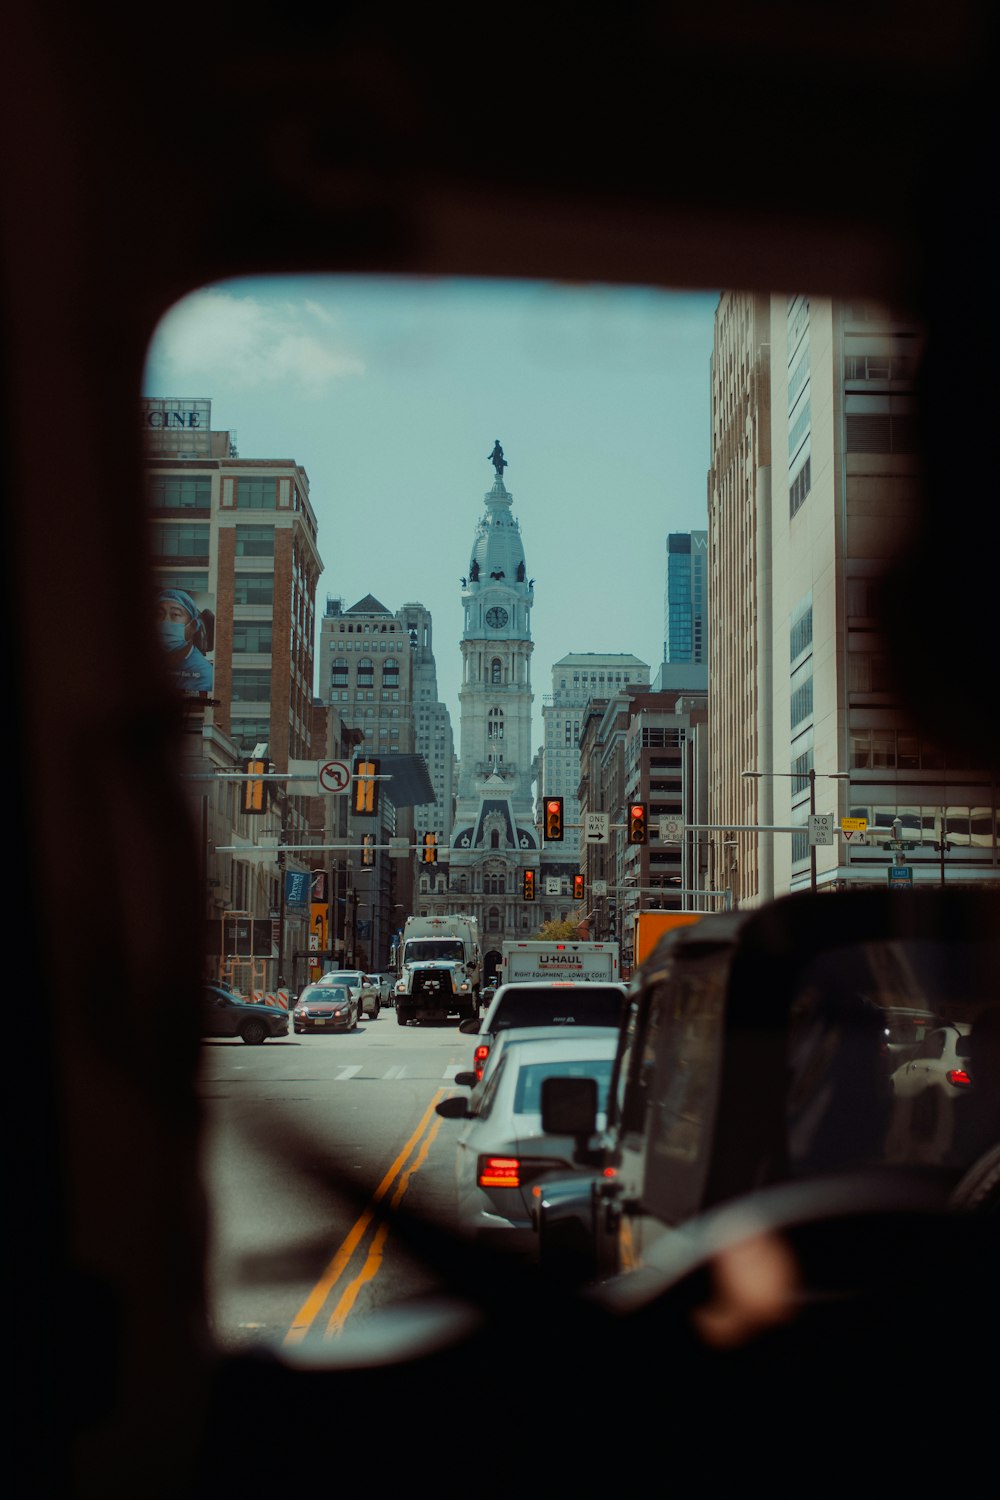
497	459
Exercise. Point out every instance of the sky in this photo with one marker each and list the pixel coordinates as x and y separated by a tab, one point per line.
390	394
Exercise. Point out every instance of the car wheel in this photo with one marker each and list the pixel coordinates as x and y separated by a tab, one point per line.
374	1013
253	1032
402	1015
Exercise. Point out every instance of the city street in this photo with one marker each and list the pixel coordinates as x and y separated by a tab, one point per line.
309	1140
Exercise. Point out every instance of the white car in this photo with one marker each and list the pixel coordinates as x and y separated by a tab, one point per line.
502	1151
362	984
924	1090
546	1002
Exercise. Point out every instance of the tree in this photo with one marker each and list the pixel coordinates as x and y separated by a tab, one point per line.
558	932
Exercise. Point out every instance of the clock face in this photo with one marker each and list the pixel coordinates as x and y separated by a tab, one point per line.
497	618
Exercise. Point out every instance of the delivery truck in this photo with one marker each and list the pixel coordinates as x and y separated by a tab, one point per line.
523	962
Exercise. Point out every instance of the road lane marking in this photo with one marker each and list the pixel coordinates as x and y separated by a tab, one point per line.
373	1260
348	1072
314	1303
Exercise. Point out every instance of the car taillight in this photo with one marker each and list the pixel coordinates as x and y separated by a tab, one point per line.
959	1078
498	1172
479	1061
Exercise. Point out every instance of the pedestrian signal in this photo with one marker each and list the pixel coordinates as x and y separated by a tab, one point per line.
553	820
254	792
637	833
368	852
430	849
365	788
528	888
578	887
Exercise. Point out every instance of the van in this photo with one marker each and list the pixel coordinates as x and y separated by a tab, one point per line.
753	1054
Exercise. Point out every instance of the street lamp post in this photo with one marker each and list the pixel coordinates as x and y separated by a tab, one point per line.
810	775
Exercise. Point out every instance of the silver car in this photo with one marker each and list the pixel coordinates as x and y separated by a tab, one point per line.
502	1152
365	986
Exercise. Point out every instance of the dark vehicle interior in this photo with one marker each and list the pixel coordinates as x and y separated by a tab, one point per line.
837	149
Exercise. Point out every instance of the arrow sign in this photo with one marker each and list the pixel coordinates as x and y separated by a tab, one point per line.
596	827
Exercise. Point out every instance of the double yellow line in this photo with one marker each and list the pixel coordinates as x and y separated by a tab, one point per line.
409	1161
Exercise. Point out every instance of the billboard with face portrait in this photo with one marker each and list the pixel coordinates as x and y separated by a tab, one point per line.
186	624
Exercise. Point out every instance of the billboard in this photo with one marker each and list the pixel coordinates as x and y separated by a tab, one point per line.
173	427
186	624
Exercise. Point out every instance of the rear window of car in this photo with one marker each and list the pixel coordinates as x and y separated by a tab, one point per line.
596	1005
528	1093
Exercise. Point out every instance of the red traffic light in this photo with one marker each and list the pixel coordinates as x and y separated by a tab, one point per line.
579	888
637	831
528	888
553	820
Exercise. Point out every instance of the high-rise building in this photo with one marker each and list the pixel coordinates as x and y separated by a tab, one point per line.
576	679
685	608
739	588
237	563
433	735
843	479
494	839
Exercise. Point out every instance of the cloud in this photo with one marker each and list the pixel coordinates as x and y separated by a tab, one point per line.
216	338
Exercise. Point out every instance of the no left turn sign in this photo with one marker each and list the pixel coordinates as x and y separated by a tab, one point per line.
334	776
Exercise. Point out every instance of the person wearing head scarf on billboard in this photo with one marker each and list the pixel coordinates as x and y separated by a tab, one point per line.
185	633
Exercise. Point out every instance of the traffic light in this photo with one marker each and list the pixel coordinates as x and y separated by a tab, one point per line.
637	831
254	792
365	788
368	852
553	820
578	887
430	849
528	887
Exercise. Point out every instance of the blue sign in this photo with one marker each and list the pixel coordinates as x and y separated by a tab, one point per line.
298	885
901	875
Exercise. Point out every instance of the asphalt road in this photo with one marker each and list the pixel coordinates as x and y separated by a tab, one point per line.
310	1144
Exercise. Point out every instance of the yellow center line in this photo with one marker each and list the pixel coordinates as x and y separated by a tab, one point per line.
313	1305
374	1259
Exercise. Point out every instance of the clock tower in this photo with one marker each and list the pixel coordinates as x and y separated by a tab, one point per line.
494	839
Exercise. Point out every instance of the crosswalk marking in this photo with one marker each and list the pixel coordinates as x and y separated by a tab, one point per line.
349	1072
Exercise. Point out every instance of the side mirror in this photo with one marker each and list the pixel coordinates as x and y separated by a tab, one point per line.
470	1026
456	1107
465	1080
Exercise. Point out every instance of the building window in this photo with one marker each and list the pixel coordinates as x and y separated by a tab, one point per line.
256	494
390	674
169	492
248	637
179	541
800	487
253	588
251	684
494	724
255	541
366	672
496	670
247	733
338	673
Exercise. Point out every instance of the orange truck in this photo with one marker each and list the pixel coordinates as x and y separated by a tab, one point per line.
649	926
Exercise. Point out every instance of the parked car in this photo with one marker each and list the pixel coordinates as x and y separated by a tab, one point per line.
364	985
225	1013
501	1151
386	987
557	1002
326	1007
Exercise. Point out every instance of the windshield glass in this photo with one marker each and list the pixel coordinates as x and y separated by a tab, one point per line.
591	1005
426	950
